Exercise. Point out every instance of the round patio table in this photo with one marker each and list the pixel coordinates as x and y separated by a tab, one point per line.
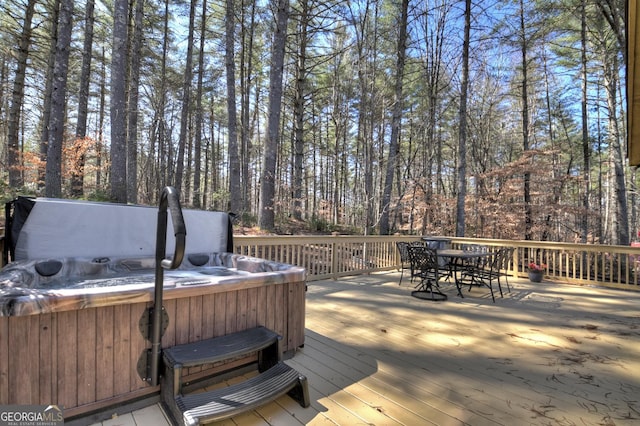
457	258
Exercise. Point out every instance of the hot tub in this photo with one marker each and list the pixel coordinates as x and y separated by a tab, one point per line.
74	329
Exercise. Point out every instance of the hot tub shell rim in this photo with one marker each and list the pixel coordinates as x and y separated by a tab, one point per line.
35	301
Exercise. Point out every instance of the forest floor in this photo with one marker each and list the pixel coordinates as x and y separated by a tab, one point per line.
292	226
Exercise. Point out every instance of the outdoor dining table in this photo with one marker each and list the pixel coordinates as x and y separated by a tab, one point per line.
457	258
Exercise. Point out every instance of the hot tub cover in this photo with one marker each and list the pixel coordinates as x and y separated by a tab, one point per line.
40	228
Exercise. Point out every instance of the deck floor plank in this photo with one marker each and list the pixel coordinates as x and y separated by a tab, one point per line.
544	354
437	391
327	397
433	384
527	383
358	381
406	375
420	395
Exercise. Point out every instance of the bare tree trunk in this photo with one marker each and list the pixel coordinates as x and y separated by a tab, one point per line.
186	100
118	153
373	122
46	107
338	175
163	149
619	215
298	111
53	178
268	188
619	220
613	12
462	135
557	191
197	195
396	121
528	219
77	172
586	149
101	115
432	146
359	18
601	228
205	180
213	153
132	125
235	193
246	77
14	159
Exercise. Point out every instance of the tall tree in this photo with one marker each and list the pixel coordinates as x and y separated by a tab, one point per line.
430	161
586	145
77	173
235	193
365	32
267	181
186	100
524	51
132	105
159	133
118	153
612	10
197	193
48	87
462	132
246	85
101	118
298	109
14	163
396	119
618	192
53	178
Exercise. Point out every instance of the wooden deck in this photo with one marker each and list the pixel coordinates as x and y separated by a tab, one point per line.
546	354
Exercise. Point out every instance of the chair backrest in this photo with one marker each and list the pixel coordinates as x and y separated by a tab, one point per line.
496	260
507	255
404	252
423	258
501	259
480	262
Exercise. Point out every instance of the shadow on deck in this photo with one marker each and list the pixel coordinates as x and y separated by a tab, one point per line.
546	353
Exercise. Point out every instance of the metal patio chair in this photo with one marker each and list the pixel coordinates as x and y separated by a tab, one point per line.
424	264
493	270
405	262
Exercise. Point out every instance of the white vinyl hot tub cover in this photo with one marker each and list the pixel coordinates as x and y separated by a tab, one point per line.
69	228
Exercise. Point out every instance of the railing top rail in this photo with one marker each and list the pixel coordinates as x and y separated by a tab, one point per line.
552	245
284	239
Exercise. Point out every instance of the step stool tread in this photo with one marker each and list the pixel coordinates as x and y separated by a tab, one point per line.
229	401
220	348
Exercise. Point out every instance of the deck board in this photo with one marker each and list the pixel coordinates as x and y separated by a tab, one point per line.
544	354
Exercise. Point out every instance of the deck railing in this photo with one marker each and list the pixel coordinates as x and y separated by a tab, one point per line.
335	256
331	257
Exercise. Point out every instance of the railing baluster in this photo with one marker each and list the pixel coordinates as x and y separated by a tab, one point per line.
333	256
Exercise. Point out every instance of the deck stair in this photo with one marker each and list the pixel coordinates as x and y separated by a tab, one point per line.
275	378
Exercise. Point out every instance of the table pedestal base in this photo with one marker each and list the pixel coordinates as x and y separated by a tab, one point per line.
434	296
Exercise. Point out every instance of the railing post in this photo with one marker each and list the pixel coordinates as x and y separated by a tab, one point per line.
334	259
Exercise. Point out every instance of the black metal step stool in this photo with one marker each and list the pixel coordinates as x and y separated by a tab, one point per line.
275	379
